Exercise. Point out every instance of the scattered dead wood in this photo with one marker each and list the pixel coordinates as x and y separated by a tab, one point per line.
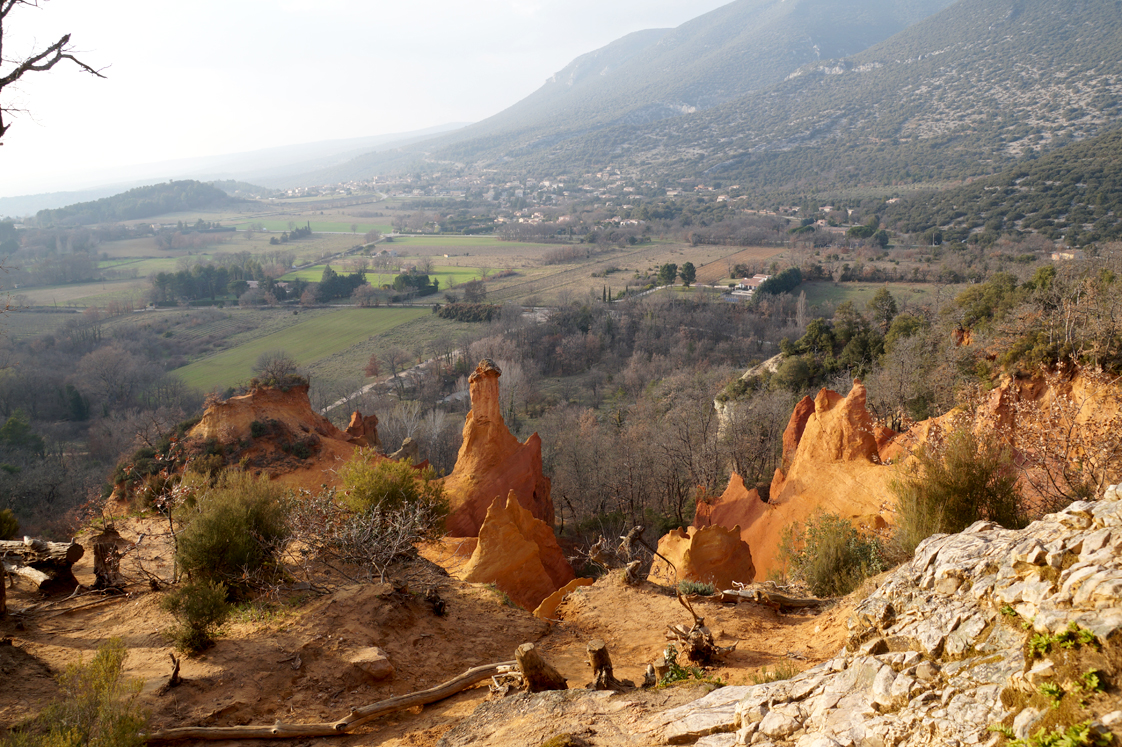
769	595
601	662
44	564
345	725
174	680
537	672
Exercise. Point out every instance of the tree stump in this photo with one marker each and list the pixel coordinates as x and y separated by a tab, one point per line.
601	662
107	551
537	672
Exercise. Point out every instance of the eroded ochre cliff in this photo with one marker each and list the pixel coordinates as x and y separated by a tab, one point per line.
492	462
711	555
518	553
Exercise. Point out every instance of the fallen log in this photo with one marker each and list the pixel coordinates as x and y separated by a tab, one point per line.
345	725
537	672
46	564
40	552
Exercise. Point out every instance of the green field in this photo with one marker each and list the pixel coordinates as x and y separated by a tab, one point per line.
826	292
307	342
439	272
474	243
317	226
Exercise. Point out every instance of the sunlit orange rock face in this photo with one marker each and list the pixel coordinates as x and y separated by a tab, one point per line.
712	555
519	554
492	462
831	456
288	416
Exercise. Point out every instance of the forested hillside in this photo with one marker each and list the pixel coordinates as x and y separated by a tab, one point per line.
1074	194
142	202
963	93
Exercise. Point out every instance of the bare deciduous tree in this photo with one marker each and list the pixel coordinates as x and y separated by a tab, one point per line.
35	62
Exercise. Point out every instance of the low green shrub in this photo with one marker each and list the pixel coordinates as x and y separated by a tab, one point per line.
952	484
371	482
782	671
201	607
698	588
9	524
234	530
830	555
95	707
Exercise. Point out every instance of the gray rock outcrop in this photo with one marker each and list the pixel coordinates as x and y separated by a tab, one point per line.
941	652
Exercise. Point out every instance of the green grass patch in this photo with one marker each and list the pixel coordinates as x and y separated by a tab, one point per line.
818	293
306	341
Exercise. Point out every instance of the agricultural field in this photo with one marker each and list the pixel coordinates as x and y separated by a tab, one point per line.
717	272
20	324
318	226
307	341
827	294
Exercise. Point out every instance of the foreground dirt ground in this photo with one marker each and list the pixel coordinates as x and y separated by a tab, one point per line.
288	660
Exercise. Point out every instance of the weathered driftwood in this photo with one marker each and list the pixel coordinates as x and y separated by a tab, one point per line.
45	564
601	662
34	575
345	725
39	552
537	672
775	599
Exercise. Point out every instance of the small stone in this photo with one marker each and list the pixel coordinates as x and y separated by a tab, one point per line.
372	663
1025	721
1112	719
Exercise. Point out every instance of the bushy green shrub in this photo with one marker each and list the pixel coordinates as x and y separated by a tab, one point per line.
201	607
373	482
234	530
96	708
830	555
699	588
950	485
9	524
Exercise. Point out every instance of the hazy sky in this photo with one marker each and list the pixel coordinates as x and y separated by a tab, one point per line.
210	77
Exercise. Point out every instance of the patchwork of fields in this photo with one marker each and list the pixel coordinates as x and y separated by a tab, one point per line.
307	341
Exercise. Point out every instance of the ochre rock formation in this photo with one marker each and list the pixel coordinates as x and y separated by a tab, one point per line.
286	415
737	506
492	462
548	608
363	431
518	553
832	459
713	555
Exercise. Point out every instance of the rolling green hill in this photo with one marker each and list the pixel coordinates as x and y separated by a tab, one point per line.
142	202
1073	193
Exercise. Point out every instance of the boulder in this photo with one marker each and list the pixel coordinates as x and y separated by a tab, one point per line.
713	555
519	554
493	463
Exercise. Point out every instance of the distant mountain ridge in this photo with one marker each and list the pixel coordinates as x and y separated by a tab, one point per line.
810	95
651	76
